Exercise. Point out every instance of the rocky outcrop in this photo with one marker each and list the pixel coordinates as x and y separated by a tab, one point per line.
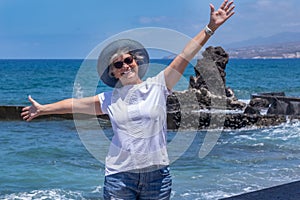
276	104
208	103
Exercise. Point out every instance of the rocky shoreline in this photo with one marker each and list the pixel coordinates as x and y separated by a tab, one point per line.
208	103
216	105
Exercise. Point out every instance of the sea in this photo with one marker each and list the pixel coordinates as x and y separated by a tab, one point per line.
47	159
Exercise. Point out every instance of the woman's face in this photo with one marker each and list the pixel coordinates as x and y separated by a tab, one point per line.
125	69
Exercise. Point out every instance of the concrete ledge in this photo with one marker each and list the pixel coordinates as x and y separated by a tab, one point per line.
10	112
289	191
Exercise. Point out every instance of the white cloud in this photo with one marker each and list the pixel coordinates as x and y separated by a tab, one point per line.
273	6
151	20
291	24
264	3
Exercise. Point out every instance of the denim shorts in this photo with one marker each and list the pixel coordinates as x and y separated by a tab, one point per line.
139	185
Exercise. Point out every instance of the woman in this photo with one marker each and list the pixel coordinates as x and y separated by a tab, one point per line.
137	161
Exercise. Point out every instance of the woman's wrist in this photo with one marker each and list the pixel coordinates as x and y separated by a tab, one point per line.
212	27
42	110
208	30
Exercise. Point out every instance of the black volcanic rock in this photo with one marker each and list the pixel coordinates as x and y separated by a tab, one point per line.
208	103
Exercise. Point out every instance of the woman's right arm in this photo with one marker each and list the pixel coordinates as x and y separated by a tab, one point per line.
87	105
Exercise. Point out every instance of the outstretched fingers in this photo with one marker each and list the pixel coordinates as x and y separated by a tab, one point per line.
223	5
25	113
227	7
230	12
30	112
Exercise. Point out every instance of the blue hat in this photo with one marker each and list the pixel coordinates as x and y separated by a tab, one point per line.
133	47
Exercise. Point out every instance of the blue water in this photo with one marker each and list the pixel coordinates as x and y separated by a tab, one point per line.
46	159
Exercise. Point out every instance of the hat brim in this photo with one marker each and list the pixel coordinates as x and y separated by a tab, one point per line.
112	48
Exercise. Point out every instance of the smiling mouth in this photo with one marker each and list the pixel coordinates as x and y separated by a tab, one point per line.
126	72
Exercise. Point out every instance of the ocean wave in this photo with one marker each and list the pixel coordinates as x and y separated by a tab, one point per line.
246	101
44	194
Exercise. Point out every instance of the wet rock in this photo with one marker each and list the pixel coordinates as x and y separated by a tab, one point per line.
259	103
278	108
251	110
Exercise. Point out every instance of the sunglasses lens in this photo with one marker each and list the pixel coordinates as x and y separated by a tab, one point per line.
118	64
128	60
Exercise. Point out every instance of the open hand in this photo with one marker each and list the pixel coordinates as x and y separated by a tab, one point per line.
33	111
218	17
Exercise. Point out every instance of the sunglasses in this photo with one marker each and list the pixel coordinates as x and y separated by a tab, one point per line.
120	64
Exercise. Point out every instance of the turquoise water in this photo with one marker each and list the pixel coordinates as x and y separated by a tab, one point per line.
46	159
253	76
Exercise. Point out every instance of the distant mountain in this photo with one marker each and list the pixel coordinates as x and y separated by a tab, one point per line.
282	45
284	37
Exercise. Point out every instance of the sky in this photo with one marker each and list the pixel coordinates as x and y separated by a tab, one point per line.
72	28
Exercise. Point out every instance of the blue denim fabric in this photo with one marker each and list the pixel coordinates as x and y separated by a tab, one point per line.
139	185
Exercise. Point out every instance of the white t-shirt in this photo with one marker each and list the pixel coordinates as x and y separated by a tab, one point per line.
138	117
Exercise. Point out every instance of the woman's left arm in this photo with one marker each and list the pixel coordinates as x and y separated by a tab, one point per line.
217	17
